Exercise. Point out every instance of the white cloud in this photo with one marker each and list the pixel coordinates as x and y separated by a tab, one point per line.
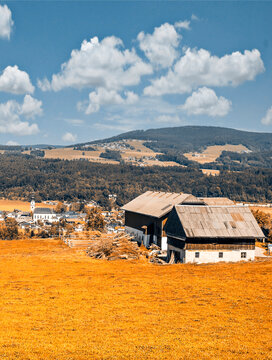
183	24
205	102
107	97
194	17
199	68
99	64
11	121
69	137
267	119
74	122
31	107
12	143
168	119
5	22
15	81
160	47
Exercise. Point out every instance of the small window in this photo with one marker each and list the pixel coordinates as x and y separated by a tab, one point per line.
243	255
220	254
197	254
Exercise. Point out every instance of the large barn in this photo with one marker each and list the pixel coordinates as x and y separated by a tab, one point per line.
203	234
146	215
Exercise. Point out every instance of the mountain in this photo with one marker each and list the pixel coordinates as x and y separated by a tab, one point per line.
195	138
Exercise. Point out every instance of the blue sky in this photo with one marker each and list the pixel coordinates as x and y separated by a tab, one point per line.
78	71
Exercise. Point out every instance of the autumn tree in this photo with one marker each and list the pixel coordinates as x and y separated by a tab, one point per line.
60	208
9	229
94	220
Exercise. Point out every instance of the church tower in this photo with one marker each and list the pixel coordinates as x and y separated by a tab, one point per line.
32	205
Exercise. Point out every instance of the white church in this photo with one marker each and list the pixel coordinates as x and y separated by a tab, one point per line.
42	214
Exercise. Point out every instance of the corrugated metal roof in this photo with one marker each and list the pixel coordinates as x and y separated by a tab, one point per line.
218	221
216	201
157	203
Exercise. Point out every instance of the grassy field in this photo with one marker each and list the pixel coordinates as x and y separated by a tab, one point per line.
10	205
57	303
139	152
213	152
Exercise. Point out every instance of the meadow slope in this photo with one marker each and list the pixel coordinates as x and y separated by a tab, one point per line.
57	303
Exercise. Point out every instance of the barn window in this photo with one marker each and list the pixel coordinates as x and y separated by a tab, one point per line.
197	254
220	255
243	255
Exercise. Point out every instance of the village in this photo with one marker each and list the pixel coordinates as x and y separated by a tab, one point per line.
173	227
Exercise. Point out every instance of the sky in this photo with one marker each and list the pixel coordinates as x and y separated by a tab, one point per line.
76	71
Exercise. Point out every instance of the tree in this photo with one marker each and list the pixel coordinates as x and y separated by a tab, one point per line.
60	208
94	220
9	230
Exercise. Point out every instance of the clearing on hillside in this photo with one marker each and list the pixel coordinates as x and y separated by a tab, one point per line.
58	303
211	153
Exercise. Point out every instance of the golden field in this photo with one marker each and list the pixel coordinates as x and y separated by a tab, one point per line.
56	303
211	153
140	151
10	205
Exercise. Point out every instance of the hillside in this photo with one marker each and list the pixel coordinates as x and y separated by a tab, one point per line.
195	138
202	146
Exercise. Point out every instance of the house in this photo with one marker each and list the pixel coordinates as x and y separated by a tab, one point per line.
204	234
44	214
146	215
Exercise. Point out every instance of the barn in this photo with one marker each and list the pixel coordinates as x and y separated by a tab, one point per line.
211	233
146	215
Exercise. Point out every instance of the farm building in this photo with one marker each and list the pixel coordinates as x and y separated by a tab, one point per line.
203	234
146	215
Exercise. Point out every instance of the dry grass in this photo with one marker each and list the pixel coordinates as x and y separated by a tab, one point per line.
10	205
59	304
267	210
213	152
138	152
211	172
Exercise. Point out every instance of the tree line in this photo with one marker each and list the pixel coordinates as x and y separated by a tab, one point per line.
54	179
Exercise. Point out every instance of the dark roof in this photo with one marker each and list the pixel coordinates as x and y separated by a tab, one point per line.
157	203
213	222
43	211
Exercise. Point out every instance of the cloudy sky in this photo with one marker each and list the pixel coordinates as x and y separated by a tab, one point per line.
79	71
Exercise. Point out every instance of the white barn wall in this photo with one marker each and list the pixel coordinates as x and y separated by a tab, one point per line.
211	256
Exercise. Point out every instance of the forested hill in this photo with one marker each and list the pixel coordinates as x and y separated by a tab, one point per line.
195	138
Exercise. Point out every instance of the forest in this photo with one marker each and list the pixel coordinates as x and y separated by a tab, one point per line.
23	175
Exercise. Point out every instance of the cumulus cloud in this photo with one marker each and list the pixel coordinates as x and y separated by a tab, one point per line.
183	24
11	121
15	81
69	137
204	101
5	22
99	64
267	119
31	107
160	47
108	97
12	143
199	68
